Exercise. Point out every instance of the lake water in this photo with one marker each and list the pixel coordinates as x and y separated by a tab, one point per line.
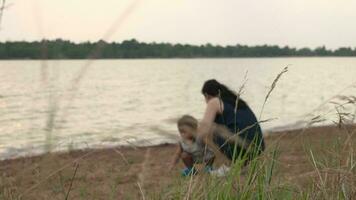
60	105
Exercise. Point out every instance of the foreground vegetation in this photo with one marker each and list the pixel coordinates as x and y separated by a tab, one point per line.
315	163
306	166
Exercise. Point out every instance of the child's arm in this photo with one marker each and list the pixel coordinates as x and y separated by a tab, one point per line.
176	157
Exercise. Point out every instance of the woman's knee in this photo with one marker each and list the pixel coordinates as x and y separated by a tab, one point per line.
187	159
186	155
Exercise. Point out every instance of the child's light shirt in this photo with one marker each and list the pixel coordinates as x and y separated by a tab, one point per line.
199	151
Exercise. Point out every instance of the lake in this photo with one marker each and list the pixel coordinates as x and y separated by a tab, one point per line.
68	104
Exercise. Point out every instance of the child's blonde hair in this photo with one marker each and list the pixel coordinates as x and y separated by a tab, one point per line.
188	121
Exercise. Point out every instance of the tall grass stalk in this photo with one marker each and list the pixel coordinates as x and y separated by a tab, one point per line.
274	84
141	191
71	181
238	94
2	8
319	175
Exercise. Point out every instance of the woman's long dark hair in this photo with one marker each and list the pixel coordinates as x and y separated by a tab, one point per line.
212	87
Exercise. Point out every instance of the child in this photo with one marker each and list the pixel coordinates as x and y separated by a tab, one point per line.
189	149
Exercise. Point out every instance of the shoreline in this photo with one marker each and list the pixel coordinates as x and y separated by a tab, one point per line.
124	172
267	134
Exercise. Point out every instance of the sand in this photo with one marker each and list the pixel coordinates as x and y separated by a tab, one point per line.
128	172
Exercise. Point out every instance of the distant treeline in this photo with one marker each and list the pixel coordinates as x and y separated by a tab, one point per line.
63	49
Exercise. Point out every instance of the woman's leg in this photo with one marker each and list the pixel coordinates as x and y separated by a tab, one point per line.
225	138
210	161
232	145
228	136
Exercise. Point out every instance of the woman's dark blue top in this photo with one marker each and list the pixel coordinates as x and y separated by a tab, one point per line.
243	122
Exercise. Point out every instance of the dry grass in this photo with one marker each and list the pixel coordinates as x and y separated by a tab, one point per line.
273	85
2	8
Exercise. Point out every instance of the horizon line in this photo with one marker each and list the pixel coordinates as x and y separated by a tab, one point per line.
179	43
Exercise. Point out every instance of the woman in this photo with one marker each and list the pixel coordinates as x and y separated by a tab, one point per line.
231	123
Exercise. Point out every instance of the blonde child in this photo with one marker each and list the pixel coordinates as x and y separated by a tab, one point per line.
191	150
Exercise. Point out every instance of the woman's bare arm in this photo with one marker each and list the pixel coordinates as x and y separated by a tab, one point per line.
212	109
206	126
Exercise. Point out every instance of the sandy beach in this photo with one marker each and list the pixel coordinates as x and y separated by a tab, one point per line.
131	173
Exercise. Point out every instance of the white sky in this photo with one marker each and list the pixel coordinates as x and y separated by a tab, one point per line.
296	23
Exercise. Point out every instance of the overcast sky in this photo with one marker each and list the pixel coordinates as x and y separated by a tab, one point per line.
296	23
